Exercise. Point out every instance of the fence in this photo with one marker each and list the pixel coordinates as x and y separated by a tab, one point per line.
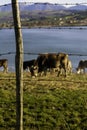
7	54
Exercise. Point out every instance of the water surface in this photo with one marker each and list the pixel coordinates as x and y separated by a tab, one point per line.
71	41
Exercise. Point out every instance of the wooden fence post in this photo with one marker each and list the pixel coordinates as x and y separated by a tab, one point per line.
18	65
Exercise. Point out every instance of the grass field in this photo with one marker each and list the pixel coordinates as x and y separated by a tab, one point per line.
50	103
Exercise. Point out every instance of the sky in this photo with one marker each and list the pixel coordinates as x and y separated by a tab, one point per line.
3	2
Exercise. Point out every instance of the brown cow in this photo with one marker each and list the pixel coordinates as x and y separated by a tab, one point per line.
4	64
81	66
50	61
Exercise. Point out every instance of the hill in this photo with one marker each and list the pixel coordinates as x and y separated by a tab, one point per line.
44	14
41	7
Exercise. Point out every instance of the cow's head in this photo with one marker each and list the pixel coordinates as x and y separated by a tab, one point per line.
34	70
79	70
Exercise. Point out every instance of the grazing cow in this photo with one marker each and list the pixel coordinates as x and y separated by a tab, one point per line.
50	61
30	65
81	66
4	64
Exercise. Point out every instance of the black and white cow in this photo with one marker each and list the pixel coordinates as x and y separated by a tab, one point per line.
81	66
30	65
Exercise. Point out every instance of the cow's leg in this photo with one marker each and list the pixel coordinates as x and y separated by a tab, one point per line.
78	71
45	71
65	72
52	70
5	69
64	67
84	70
40	71
59	71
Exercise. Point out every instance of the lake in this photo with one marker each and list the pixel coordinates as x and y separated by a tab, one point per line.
70	41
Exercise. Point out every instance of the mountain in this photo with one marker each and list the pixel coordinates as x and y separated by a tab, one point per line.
33	7
6	8
78	7
41	7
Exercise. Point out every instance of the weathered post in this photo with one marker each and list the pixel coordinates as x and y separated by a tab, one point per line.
18	65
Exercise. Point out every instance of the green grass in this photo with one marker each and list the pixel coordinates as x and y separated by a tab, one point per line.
50	103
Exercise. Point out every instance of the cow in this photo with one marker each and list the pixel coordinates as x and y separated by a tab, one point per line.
31	65
4	64
81	66
50	61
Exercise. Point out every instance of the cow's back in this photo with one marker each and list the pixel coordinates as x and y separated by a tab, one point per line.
85	63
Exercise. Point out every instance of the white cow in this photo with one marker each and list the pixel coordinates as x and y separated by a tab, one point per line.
81	66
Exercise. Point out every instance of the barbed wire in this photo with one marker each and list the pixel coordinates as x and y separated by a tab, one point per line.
7	53
57	3
31	53
5	77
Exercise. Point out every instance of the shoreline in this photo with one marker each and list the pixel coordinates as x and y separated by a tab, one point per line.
50	27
